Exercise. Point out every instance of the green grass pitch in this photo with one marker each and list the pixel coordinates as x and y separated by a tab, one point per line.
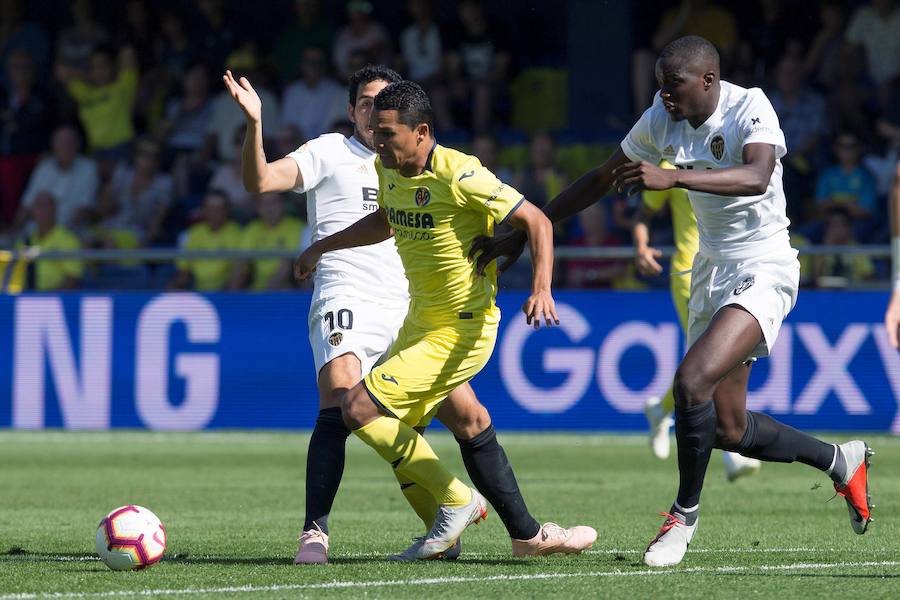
233	504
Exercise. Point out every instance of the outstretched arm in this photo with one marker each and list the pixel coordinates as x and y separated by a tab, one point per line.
748	179
371	229
537	227
259	175
589	188
892	315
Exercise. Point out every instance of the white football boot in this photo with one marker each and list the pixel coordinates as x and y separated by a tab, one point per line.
449	524
660	422
671	543
410	554
737	466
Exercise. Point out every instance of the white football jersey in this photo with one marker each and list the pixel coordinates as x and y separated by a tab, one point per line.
341	188
731	228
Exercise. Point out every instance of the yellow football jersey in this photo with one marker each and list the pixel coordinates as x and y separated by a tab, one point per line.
50	274
684	222
435	216
210	274
258	235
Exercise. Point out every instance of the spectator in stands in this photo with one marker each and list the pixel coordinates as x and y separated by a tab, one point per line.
49	235
16	33
801	113
273	230
541	180
595	272
188	115
825	49
691	17
420	44
217	38
422	58
310	29
227	178
484	146
289	138
105	101
886	166
847	184
315	101
175	49
140	31
228	116
364	33
70	177
215	232
853	99
142	196
839	270
478	63
76	44
26	119
876	29
773	33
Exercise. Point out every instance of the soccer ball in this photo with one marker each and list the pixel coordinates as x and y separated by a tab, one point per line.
129	538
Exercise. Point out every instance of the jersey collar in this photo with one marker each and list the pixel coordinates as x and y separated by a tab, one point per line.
359	148
430	154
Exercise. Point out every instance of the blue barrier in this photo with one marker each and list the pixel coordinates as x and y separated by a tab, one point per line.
189	361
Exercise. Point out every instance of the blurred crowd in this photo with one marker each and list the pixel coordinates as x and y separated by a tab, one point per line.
115	130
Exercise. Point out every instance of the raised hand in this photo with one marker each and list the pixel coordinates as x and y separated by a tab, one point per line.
244	94
487	249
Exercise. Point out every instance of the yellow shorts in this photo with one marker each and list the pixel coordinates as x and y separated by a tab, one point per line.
681	295
426	363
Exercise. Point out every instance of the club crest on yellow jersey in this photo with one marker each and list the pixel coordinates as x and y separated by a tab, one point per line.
423	196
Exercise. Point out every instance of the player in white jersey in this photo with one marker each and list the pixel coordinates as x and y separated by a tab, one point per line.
726	143
359	302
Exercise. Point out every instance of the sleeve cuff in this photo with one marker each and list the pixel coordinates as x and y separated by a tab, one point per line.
513	209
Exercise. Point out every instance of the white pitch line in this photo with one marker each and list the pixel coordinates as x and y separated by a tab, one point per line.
377	555
444	580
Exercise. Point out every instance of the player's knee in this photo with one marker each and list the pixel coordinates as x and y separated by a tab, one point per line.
729	435
354	409
691	387
471	422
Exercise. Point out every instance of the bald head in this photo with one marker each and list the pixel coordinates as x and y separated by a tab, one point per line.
691	51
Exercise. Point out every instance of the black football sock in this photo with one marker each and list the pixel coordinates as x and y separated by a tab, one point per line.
324	467
695	431
772	441
490	471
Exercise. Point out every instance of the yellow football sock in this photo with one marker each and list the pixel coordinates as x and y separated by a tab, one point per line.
419	498
413	459
668	401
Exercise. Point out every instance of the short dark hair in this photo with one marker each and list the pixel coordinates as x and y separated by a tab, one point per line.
409	100
368	74
689	49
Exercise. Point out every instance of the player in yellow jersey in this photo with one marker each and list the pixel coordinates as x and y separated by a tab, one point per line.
436	201
687	244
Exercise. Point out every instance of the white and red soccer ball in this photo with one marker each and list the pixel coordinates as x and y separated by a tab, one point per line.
130	537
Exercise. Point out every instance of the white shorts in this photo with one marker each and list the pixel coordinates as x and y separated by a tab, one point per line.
347	324
765	287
